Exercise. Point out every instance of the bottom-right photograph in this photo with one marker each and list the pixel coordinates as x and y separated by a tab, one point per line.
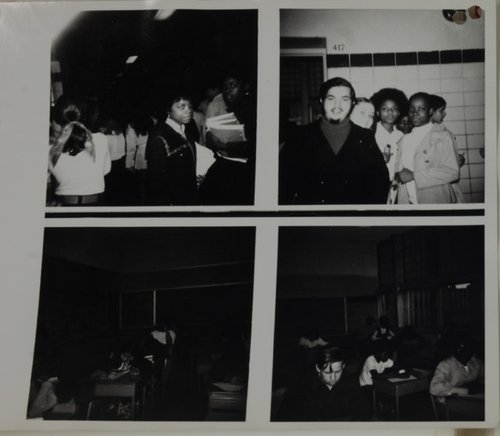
380	324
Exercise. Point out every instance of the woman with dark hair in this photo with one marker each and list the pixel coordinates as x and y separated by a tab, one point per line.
171	155
390	104
78	159
78	163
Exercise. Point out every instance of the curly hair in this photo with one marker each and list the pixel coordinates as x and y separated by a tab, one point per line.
396	95
437	102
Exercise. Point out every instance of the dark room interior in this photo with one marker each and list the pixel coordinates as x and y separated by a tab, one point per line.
334	284
104	290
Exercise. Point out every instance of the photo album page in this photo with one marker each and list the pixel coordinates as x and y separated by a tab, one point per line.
249	215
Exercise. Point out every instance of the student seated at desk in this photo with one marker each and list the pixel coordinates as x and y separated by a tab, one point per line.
326	394
376	365
454	375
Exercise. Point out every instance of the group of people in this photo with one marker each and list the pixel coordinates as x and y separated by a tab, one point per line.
326	391
384	150
166	156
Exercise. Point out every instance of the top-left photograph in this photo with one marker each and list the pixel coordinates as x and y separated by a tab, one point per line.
153	108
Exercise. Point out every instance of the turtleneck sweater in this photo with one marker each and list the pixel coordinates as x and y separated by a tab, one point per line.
335	133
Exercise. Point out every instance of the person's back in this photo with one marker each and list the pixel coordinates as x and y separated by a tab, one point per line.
82	174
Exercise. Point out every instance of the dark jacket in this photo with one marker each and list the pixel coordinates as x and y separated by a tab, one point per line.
311	173
311	400
172	165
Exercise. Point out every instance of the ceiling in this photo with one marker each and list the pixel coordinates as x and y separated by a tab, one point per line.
142	250
332	251
190	49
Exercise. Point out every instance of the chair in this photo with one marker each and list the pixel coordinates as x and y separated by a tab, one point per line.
439	408
112	391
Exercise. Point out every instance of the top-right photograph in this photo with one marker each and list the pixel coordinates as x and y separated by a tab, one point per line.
382	106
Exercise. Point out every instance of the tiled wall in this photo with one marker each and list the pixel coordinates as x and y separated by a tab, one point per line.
456	75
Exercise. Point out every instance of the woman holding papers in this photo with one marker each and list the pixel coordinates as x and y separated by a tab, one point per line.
171	154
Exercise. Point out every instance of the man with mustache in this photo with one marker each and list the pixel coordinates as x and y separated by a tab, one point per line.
332	160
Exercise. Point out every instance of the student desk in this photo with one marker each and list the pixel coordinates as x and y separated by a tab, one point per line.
124	387
397	387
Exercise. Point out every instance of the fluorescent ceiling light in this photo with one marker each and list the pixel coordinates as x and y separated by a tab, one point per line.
462	286
131	60
163	14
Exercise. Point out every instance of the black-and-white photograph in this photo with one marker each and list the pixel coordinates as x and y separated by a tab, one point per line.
144	324
382	106
380	324
153	108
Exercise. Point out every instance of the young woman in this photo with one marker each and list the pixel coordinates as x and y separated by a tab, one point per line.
78	159
390	104
363	113
171	155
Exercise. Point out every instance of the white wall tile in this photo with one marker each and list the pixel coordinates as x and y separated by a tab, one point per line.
339	72
475	156
361	74
464	185
461	141
454	114
384	74
477	185
464	171
452	85
377	85
364	89
453	98
449	71
473	69
456	127
475	141
474	127
476	170
408	87
474	98
428	72
473	84
474	112
431	86
407	72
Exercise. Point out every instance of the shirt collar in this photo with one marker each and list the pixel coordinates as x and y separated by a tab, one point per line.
179	128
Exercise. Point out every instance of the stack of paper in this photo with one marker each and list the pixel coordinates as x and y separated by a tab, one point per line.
226	128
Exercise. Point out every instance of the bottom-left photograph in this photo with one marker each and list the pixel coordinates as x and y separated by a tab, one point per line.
145	324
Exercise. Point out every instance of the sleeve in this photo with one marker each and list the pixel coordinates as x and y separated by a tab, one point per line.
399	152
445	170
156	157
107	156
130	147
369	364
45	400
389	363
377	179
440	384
